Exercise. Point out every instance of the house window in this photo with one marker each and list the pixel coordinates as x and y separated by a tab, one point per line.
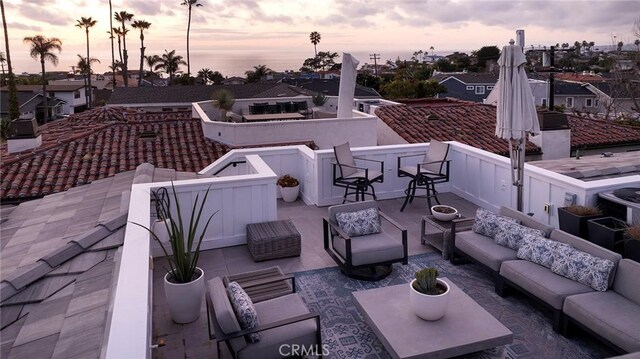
470	88
588	102
479	90
76	94
489	87
569	102
597	104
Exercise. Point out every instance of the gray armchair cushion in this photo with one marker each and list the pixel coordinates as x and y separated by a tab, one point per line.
374	248
525	220
359	223
541	282
244	309
483	249
512	234
584	268
609	314
627	280
541	250
225	315
281	308
588	247
487	222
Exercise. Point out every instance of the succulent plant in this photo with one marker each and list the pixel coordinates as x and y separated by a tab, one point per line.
287	181
426	281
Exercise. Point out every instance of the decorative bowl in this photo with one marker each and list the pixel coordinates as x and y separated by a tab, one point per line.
444	213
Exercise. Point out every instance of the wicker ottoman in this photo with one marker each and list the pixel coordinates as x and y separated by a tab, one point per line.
271	240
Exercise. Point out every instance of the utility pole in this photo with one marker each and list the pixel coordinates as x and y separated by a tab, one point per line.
375	58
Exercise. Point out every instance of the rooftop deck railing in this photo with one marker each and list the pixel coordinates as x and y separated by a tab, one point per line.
247	194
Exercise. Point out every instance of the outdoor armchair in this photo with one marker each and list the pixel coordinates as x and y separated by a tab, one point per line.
433	169
369	256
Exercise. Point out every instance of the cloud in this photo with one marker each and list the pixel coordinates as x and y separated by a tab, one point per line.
34	11
20	26
142	8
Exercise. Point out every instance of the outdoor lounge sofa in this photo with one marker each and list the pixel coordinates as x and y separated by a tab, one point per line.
553	290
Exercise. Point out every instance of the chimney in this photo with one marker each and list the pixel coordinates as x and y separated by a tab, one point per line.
555	135
23	135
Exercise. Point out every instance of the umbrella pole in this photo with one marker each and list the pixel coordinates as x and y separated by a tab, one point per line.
516	155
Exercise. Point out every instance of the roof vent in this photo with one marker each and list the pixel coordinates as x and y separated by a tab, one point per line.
148	135
23	128
432	117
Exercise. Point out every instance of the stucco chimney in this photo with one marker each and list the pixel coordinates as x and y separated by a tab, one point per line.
555	135
23	135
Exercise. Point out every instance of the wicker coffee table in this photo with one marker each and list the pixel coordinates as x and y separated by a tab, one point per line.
271	240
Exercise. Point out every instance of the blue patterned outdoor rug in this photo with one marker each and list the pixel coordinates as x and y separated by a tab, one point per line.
346	334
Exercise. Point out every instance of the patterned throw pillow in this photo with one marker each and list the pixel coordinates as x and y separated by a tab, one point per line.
512	234
584	268
245	311
541	250
486	222
359	223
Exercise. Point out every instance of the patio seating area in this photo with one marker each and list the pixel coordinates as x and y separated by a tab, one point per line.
192	340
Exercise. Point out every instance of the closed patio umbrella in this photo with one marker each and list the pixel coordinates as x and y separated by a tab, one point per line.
516	112
348	74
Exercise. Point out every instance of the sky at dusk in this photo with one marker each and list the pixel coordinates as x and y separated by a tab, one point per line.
228	35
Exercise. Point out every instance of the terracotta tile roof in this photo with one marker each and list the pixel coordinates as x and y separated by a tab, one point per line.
474	124
466	122
100	143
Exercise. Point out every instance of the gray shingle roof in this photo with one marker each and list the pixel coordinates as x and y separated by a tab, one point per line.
188	94
58	263
571	89
330	87
469	77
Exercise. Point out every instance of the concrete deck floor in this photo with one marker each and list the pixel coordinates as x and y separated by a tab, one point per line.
192	340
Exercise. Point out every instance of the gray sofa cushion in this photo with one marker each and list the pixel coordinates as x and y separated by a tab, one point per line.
588	247
525	220
512	234
224	312
272	310
483	249
609	314
541	282
359	223
541	250
486	222
374	248
627	280
584	268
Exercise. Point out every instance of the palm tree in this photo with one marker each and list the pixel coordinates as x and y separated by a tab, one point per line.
205	74
619	47
189	4
42	48
315	40
224	100
170	63
113	58
141	25
152	61
86	23
14	108
257	73
119	33
3	59
123	17
637	43
84	67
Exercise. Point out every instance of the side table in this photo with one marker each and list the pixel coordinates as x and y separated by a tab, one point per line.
441	239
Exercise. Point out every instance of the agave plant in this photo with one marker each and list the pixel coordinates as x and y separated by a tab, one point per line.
185	246
426	281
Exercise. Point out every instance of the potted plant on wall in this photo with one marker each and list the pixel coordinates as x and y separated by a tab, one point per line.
631	248
319	99
573	219
607	232
429	294
223	100
184	280
289	188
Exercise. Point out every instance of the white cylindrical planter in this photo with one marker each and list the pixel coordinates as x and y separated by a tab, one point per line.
429	307
289	194
184	300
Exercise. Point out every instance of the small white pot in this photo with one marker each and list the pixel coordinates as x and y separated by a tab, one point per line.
429	307
289	194
185	300
445	217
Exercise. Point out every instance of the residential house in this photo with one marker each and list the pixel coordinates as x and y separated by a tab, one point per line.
73	95
331	87
615	99
234	80
466	86
31	105
575	97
